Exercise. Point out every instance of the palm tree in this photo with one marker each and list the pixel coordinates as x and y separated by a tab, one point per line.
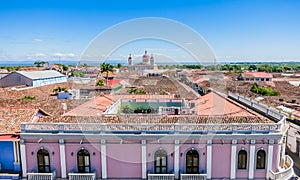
106	68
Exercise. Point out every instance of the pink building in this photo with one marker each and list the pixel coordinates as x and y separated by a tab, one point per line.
220	139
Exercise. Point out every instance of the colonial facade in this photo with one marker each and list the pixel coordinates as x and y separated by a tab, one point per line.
239	144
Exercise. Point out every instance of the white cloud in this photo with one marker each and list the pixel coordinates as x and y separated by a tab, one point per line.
38	55
37	40
188	43
65	54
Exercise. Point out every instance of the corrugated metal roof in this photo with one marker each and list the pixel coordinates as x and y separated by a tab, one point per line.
40	74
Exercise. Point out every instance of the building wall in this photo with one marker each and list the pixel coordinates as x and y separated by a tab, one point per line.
71	156
221	160
293	138
47	81
124	160
7	155
15	79
31	155
168	146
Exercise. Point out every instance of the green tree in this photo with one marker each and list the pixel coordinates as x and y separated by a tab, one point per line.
77	74
252	67
119	66
39	63
106	68
65	67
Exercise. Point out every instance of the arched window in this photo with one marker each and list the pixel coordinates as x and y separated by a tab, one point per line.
43	161
242	159
192	162
83	161
261	159
160	162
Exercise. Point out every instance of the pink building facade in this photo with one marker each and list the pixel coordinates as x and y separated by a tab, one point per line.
242	154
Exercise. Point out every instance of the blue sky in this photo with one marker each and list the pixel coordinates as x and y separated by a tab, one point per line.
237	30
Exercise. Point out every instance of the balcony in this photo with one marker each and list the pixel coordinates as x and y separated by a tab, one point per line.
286	173
41	176
193	176
161	176
82	176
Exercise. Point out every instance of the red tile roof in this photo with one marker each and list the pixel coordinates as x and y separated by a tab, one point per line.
212	104
94	107
12	117
258	74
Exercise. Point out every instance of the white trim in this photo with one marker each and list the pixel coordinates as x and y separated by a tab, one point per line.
62	152
23	157
103	159
209	158
252	159
270	159
233	160
144	159
18	152
15	151
176	159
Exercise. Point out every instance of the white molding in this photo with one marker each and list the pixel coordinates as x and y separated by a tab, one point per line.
23	157
233	159
103	159
252	159
209	158
62	151
176	159
270	158
144	159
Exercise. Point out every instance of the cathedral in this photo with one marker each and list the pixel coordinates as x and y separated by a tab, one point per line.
146	64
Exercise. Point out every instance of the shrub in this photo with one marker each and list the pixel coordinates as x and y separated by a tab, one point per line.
28	98
100	82
265	91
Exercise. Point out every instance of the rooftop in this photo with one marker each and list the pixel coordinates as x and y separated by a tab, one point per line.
12	117
258	74
41	74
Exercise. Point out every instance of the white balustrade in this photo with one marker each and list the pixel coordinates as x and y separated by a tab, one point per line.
193	176
82	176
41	176
285	173
161	176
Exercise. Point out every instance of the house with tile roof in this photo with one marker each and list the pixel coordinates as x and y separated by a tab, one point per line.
10	127
227	137
255	76
32	78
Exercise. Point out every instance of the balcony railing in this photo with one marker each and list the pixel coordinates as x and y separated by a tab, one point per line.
286	173
41	176
161	176
82	176
149	128
193	176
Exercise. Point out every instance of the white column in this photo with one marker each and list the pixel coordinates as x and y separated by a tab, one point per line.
18	152
252	159
278	155
209	158
15	151
176	159
103	159
233	159
144	159
270	156
23	157
62	152
283	151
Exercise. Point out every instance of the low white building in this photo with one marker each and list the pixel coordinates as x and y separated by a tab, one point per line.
32	78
